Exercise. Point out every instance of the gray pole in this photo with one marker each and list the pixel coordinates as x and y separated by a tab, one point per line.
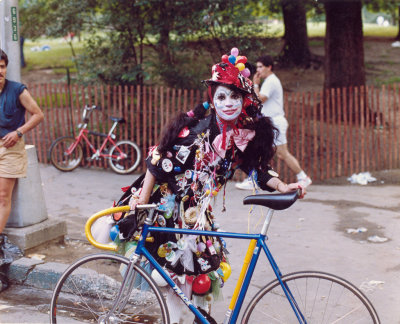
9	37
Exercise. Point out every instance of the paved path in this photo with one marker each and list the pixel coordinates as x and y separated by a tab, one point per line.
311	235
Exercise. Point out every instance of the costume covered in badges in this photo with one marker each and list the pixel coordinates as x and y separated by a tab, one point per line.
193	171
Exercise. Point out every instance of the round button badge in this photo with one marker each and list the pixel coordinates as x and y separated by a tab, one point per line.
167	165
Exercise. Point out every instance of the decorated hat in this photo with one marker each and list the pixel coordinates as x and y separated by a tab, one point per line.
231	71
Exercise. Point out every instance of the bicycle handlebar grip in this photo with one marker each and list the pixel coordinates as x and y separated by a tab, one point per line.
146	206
93	218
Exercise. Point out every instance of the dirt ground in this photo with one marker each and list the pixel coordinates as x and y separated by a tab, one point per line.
382	65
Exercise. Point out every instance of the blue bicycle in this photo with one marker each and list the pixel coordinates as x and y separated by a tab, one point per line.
109	288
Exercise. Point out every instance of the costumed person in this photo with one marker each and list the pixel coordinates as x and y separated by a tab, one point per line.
271	96
198	153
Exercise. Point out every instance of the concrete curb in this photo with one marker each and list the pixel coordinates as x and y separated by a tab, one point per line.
35	273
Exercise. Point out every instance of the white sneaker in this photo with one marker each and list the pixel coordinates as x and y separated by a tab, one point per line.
246	184
305	182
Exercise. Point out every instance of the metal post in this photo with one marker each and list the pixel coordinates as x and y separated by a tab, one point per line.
9	37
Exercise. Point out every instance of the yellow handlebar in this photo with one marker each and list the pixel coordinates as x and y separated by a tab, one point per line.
105	212
93	218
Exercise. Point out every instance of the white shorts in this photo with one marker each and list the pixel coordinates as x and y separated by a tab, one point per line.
281	123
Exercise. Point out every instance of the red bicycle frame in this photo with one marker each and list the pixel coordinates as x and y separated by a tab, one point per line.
97	152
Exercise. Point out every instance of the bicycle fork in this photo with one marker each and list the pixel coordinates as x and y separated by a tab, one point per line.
123	294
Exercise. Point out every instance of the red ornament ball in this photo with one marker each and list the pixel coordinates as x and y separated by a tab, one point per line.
201	284
225	58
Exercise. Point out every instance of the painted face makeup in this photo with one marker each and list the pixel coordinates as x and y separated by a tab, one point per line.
228	103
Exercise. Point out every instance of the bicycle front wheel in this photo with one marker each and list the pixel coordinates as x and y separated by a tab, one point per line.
321	298
88	290
125	157
59	156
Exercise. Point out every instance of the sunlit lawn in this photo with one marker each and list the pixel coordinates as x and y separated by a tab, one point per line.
317	29
59	56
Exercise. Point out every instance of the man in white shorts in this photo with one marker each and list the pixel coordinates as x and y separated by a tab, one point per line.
271	96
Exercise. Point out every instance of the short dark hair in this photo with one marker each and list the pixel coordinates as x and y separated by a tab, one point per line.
266	60
4	56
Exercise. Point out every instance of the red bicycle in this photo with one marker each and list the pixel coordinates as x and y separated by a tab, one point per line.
66	153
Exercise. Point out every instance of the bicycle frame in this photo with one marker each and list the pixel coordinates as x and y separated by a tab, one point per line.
96	153
257	241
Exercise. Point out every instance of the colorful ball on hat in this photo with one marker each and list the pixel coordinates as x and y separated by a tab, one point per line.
240	66
225	58
234	51
241	59
245	72
201	284
232	59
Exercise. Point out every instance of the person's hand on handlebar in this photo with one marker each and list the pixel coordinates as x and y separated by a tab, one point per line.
282	187
297	186
134	201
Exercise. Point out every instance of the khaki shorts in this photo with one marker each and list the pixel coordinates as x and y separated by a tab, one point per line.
13	160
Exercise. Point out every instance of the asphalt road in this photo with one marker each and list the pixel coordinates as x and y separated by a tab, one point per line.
311	235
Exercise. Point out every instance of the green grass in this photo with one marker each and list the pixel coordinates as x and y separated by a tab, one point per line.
59	56
373	30
317	29
388	81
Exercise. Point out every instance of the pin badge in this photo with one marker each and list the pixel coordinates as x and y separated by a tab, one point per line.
167	165
182	154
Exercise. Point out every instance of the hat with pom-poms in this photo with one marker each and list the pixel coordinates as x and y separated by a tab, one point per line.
231	71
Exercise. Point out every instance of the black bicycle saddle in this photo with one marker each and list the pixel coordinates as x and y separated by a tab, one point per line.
273	201
118	119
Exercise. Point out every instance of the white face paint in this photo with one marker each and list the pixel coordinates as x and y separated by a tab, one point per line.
228	103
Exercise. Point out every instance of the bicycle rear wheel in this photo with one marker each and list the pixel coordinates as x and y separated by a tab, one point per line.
59	156
88	290
321	297
125	157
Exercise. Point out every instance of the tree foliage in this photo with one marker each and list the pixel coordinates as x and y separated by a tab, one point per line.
128	41
33	18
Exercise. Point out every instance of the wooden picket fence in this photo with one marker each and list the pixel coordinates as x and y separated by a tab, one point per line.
332	133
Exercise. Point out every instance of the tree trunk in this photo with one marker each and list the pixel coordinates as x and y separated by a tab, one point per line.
344	50
296	50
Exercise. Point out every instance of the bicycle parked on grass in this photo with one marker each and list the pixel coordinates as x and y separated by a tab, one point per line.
108	288
66	153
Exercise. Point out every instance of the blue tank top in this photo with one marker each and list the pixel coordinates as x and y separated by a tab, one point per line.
12	113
